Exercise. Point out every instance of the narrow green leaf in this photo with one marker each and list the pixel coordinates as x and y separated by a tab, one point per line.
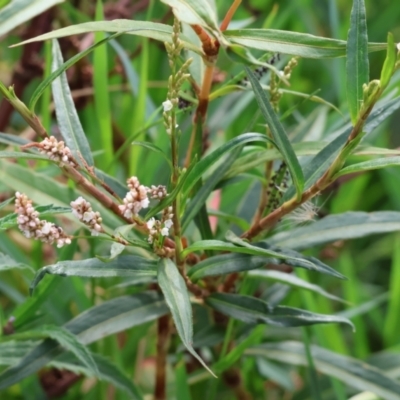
195	12
369	165
292	280
5	203
357	63
255	311
148	29
101	94
294	43
96	323
177	297
16	12
197	202
67	116
390	61
107	371
13	350
12	140
128	265
62	66
209	160
154	148
20	154
181	382
355	373
392	319
7	262
224	265
349	225
278	133
317	166
67	340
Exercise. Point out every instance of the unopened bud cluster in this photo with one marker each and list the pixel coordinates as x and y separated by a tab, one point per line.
161	227
275	94
157	192
82	210
57	151
176	79
33	227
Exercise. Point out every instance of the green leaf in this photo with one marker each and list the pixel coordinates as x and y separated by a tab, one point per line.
20	155
67	116
357	63
255	311
96	323
10	220
59	66
292	280
209	160
151	30
369	165
349	225
253	159
107	371
12	140
177	298
195	12
7	262
5	203
128	265
314	169
12	351
197	202
278	133
223	264
16	12
390	61
355	373
66	339
294	43
153	147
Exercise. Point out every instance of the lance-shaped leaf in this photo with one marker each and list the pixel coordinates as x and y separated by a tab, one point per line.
349	225
357	64
67	116
355	373
255	311
224	264
107	371
292	280
20	154
369	165
209	160
16	12
100	321
278	133
294	43
128	265
390	61
152	30
7	262
314	169
176	296
195	12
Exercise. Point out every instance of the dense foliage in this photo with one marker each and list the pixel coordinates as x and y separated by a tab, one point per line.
180	182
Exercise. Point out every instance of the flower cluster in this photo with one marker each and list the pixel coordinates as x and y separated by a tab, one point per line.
135	199
84	212
35	228
57	151
162	227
